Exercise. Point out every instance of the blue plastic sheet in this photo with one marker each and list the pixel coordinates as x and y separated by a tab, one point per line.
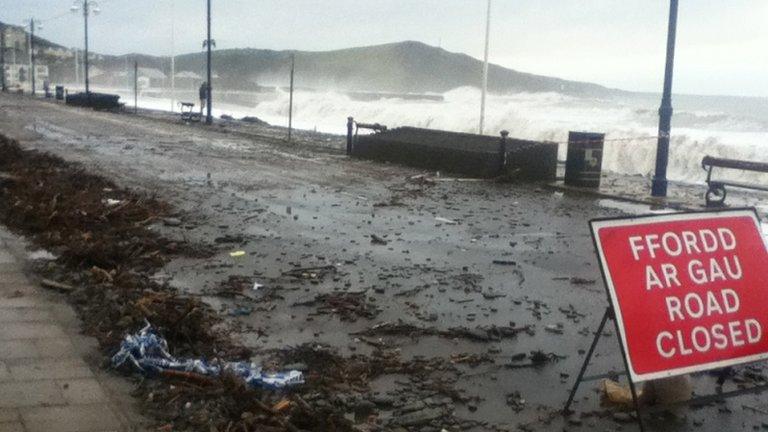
148	353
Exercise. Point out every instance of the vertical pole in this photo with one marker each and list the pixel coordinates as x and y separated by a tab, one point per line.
290	99
209	115
32	52
2	58
485	68
29	54
135	87
503	151
659	187
13	55
85	59
173	57
350	125
77	67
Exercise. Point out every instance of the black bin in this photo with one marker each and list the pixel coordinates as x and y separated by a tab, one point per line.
59	92
585	159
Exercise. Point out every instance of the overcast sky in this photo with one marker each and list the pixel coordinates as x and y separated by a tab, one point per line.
722	44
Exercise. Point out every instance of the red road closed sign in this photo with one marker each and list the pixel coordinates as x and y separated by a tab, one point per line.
689	290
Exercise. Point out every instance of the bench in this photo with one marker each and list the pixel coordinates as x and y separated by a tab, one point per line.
188	112
376	127
716	188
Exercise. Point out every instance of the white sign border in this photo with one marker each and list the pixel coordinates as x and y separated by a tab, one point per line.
597	224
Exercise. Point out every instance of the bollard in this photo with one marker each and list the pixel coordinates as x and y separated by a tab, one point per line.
350	123
503	151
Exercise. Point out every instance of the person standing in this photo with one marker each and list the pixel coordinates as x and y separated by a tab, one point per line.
203	96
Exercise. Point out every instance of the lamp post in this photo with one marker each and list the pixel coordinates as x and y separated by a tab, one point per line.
485	68
32	61
88	6
659	186
173	56
2	58
209	43
290	98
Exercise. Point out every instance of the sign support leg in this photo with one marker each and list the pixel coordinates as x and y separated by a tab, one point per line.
632	388
583	370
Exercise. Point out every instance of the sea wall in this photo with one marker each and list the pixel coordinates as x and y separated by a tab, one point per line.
459	153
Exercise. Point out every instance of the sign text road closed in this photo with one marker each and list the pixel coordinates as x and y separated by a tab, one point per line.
689	291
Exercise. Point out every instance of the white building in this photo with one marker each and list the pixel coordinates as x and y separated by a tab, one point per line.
18	76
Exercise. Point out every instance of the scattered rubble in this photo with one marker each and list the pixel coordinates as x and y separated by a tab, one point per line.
479	334
347	305
107	256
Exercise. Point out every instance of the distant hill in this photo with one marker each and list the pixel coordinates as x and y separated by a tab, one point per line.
409	66
396	67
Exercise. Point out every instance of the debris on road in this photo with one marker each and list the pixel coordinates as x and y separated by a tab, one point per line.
57	285
148	353
554	328
311	272
378	240
479	334
111	256
347	305
582	281
240	311
616	394
536	358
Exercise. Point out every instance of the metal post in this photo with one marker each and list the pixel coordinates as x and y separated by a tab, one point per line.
503	151
209	116
77	67
173	58
32	52
485	68
290	99
350	125
85	59
3	86
659	188
135	87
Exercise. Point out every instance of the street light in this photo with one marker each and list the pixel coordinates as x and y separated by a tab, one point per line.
173	56
659	186
209	43
33	69
88	6
3	86
485	67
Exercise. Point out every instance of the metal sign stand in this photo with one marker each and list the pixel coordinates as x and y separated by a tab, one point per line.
697	401
608	314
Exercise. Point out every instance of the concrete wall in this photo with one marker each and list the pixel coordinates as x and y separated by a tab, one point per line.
459	153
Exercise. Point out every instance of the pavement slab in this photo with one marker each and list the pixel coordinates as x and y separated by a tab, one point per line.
48	378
